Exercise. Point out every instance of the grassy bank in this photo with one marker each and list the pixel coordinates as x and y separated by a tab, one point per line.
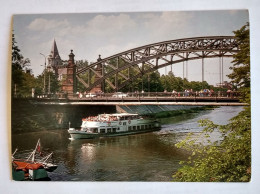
172	113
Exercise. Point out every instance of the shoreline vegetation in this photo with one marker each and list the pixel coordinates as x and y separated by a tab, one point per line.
226	160
167	114
229	159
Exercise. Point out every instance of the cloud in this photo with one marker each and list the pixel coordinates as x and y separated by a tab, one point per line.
40	24
168	25
110	25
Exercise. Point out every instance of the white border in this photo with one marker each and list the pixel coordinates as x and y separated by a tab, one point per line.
8	8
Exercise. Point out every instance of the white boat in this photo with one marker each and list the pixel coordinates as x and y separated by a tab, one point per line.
107	125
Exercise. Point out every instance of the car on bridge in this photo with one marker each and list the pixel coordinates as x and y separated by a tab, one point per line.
90	95
119	95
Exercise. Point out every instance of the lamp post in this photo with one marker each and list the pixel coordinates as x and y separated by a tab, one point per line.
148	84
44	72
49	84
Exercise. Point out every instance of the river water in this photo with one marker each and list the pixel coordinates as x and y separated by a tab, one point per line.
143	157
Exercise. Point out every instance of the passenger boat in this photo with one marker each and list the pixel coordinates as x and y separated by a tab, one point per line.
107	125
30	168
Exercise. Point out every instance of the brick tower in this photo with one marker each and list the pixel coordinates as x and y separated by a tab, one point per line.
70	84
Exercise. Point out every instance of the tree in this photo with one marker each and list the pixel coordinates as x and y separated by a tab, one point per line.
240	75
228	159
241	68
225	160
21	77
81	64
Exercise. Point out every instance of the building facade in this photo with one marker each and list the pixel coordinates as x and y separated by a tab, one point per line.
69	85
65	71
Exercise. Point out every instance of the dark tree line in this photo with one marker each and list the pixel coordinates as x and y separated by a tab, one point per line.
23	80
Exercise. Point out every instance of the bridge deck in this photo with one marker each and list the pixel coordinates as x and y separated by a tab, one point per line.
191	101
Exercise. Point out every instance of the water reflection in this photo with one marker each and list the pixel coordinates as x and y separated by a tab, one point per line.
122	158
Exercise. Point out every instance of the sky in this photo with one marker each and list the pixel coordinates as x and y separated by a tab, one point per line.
91	34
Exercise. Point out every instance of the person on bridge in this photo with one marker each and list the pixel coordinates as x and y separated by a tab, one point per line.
174	93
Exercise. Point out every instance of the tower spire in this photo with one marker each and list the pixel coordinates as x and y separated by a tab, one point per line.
54	60
54	50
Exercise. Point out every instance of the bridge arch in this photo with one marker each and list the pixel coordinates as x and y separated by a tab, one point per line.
156	56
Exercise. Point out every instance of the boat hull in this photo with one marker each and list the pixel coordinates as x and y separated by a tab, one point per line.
24	170
76	134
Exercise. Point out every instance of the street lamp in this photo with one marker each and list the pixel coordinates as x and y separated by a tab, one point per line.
148	84
44	72
49	84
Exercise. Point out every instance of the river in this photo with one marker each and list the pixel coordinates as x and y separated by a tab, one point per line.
143	157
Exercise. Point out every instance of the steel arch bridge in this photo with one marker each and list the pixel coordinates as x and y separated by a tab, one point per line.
156	56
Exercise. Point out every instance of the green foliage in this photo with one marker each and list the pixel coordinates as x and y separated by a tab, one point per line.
18	61
49	77
22	79
240	75
228	159
152	82
241	69
88	74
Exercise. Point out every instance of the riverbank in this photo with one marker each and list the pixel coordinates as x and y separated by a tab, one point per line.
172	113
28	117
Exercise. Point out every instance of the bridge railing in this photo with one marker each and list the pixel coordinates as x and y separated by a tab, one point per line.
148	95
140	95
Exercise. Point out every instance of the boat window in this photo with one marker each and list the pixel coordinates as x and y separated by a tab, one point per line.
138	127
129	128
114	130
102	130
118	129
134	127
142	127
95	130
108	130
146	126
124	123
